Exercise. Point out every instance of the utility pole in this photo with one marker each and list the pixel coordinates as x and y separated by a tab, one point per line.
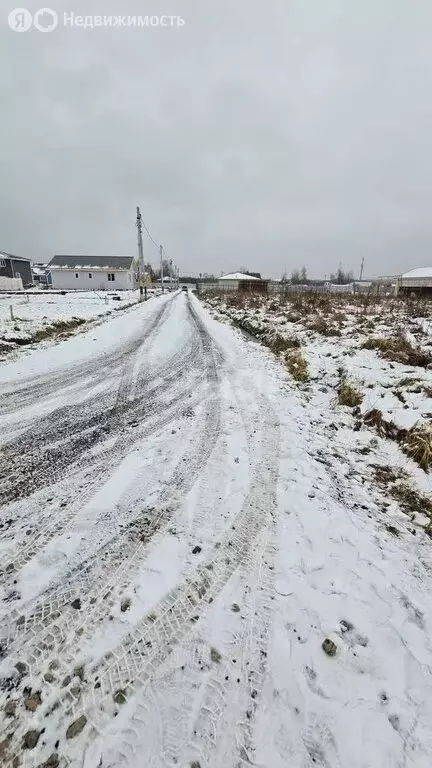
140	253
161	267
361	269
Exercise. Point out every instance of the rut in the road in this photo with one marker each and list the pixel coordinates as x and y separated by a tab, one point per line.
98	368
50	628
116	561
178	384
134	666
57	442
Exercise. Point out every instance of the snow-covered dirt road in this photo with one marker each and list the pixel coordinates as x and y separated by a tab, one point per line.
177	540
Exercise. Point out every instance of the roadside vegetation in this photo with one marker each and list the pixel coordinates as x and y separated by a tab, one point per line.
372	355
58	328
399	350
399	486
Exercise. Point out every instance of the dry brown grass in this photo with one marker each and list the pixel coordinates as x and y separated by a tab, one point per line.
417	444
278	343
296	364
324	326
408	381
349	395
374	418
400	486
399	350
57	328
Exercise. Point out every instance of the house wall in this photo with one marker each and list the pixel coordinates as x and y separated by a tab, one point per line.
414	285
259	286
16	268
228	285
64	279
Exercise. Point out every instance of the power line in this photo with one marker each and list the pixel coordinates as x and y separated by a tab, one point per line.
151	238
159	246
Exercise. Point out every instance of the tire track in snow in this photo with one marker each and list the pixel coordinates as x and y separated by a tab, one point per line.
255	564
100	465
134	663
41	454
43	386
109	570
117	562
104	463
233	690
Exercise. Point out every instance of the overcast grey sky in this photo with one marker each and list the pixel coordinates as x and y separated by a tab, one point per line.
267	134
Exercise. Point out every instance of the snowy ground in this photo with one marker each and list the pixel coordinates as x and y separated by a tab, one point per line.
182	527
39	309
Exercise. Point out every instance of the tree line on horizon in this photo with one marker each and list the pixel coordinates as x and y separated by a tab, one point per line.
299	277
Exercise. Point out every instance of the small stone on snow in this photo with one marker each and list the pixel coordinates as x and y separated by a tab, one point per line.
33	701
76	727
329	647
31	738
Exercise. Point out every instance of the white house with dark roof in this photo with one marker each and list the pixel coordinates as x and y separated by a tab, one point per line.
93	273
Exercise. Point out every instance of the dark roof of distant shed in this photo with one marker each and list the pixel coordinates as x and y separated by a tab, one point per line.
92	262
4	255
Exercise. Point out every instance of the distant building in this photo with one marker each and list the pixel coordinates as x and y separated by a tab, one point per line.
416	281
16	267
41	274
239	281
97	273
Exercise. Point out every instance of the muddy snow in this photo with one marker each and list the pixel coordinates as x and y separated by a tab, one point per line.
204	560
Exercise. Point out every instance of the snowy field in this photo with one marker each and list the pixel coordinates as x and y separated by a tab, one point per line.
380	349
38	310
201	566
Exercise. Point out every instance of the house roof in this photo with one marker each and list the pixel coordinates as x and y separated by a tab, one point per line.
3	254
419	272
91	262
237	276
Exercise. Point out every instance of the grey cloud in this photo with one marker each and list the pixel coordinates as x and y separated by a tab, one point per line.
269	135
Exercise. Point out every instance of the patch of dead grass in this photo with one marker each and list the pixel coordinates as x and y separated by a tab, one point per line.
278	343
349	394
417	444
399	350
399	485
296	364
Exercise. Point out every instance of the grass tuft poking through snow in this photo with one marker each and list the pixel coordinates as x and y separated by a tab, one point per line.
349	394
399	350
296	364
385	428
278	343
418	445
399	485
